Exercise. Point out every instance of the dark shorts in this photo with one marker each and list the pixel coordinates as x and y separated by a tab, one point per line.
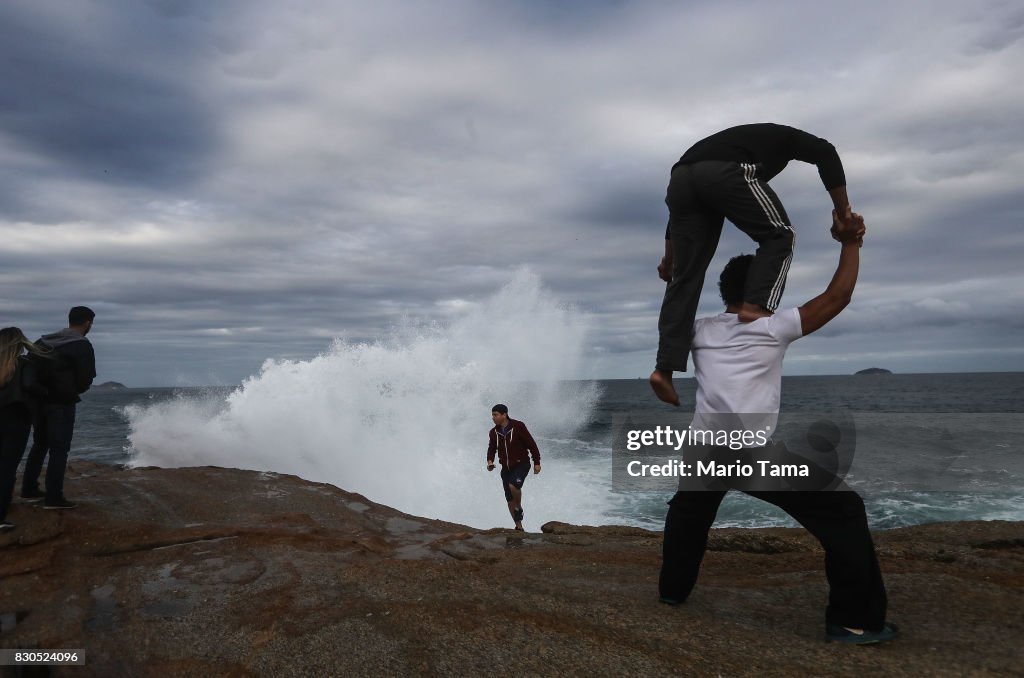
514	476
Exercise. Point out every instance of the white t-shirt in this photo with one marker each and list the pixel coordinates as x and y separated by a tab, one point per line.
738	366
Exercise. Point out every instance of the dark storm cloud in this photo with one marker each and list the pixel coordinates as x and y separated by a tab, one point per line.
1003	33
111	100
623	206
227	183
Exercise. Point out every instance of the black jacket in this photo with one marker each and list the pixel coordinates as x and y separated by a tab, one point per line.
772	146
23	388
70	368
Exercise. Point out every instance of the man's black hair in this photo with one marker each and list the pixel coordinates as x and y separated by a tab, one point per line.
733	280
80	315
500	409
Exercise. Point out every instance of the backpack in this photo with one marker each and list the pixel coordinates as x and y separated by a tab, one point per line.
23	386
56	373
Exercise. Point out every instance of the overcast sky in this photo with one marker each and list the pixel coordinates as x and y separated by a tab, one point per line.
225	182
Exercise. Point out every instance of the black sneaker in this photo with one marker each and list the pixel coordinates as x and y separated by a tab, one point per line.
5	526
61	503
33	495
844	635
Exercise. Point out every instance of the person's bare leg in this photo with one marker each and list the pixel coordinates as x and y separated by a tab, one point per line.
750	312
661	382
515	505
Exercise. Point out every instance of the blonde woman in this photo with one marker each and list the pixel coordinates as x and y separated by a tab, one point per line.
19	397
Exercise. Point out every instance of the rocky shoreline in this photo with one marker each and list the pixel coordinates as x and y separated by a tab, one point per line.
212	571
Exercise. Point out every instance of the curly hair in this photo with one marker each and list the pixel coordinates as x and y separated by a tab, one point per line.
733	280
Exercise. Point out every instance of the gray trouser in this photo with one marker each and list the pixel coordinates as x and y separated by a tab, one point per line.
700	197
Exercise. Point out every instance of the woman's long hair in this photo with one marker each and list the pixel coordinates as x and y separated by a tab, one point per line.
12	342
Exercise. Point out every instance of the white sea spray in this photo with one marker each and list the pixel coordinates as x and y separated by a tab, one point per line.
404	420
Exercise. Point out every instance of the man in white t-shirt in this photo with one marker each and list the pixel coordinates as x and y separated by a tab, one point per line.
738	367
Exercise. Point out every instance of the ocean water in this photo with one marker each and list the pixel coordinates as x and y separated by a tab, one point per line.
404	422
418	469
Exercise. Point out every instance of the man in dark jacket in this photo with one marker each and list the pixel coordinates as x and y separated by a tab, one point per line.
511	441
66	374
725	176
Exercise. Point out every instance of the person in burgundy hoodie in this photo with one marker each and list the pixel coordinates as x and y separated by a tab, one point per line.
511	441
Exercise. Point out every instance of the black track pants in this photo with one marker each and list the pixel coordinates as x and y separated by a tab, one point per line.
700	197
857	597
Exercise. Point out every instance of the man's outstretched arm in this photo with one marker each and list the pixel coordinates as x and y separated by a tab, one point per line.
809	148
840	200
849	230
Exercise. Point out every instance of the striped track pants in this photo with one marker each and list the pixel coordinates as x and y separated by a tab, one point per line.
700	197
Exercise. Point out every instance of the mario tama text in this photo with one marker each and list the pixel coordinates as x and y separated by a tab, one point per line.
713	468
972	452
734	439
660	451
772	467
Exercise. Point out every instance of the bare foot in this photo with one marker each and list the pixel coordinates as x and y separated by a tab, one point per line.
750	312
661	382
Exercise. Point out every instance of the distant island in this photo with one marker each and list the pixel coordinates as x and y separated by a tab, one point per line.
109	386
875	370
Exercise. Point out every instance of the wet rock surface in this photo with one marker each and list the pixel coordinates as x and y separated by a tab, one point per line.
211	571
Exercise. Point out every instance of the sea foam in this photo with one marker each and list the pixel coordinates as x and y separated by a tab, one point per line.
404	420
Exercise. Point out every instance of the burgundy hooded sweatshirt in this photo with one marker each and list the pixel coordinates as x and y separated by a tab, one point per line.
512	447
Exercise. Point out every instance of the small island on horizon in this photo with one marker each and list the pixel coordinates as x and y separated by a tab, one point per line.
874	370
109	386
